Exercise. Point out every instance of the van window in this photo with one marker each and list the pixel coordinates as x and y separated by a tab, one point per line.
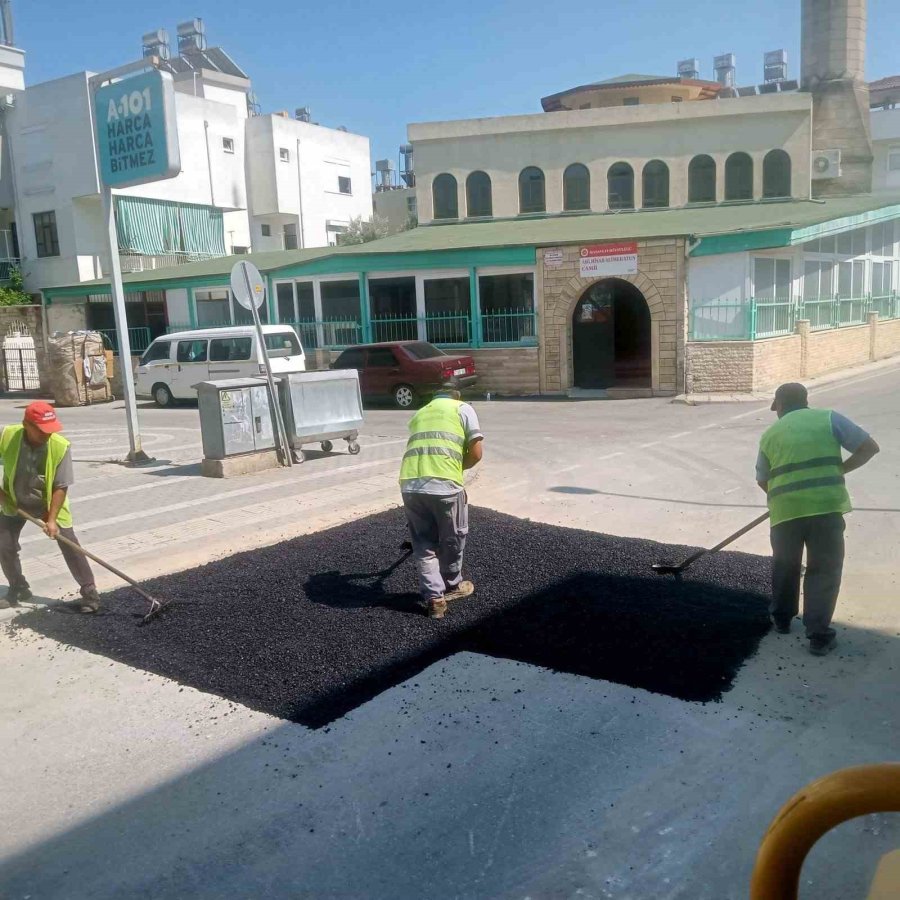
191	351
283	343
229	349
156	351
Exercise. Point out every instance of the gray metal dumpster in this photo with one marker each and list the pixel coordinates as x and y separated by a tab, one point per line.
321	407
235	417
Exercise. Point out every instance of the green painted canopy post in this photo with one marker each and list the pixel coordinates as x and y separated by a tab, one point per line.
753	318
364	309
475	308
270	298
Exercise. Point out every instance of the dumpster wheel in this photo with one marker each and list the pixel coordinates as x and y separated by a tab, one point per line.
353	448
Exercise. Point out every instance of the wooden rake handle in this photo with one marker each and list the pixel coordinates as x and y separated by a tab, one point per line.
63	539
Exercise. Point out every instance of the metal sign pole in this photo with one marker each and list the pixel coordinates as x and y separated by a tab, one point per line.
284	448
136	453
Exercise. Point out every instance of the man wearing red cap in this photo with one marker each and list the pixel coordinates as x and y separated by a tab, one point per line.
37	473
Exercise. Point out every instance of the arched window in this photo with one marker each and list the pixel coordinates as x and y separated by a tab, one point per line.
656	184
478	195
739	177
776	174
620	186
702	180
443	192
531	190
576	187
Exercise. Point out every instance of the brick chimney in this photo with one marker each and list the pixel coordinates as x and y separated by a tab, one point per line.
833	50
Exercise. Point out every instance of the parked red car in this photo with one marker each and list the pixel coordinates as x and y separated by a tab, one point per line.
405	371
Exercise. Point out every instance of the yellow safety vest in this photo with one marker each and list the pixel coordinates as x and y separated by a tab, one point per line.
10	444
437	443
806	475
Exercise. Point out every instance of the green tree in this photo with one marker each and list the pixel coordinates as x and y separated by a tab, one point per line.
361	231
13	292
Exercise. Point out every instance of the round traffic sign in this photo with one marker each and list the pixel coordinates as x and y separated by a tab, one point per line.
247	285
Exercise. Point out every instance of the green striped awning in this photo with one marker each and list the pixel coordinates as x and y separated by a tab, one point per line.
154	227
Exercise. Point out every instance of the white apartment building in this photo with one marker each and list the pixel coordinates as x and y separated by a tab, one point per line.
306	182
248	181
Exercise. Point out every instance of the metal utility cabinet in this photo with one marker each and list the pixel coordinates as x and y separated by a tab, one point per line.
235	417
321	407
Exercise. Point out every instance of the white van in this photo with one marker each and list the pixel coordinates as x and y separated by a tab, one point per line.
174	363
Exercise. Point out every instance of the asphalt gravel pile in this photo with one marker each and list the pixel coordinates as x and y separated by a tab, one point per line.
313	627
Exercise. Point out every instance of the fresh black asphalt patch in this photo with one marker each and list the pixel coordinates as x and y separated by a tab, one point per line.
311	628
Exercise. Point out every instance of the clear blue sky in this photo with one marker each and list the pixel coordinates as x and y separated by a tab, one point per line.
367	66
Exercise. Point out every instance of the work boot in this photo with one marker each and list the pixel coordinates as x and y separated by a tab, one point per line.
15	596
461	591
89	602
435	609
822	644
782	626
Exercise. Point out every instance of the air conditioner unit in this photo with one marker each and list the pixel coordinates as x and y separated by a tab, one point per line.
825	164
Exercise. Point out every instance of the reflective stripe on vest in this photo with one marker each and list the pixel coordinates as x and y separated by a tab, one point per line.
436	443
806	475
10	443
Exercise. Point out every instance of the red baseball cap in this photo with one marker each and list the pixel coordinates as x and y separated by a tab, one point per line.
44	416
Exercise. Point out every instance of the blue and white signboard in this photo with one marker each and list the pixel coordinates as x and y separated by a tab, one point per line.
137	132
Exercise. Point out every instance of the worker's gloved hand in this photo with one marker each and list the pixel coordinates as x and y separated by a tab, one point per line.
51	529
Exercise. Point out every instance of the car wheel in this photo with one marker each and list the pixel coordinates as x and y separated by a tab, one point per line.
162	396
404	396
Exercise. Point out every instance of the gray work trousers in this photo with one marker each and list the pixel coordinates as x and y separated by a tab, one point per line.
438	526
10	529
823	538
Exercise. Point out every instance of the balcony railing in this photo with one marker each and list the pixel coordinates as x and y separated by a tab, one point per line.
139	262
7	266
752	319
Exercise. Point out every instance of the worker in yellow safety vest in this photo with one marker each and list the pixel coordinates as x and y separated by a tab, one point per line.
801	469
37	474
445	439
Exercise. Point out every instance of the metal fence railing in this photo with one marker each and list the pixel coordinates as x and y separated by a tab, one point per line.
7	267
139	338
449	329
141	262
750	320
509	326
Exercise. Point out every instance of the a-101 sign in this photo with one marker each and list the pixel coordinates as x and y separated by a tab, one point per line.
137	132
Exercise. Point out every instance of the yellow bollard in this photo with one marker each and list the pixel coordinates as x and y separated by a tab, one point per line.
812	812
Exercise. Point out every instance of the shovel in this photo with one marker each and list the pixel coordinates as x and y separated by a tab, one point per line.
156	606
663	569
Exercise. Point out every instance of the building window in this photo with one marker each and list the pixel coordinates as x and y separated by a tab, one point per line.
631	101
228	145
771	278
448	318
655	184
893	159
818	279
576	188
45	235
444	197
290	236
531	190
266	230
341	312
702	180
411	207
882	279
213	307
284	154
507	308
392	302
776	174
739	177
344	184
851	275
478	195
620	186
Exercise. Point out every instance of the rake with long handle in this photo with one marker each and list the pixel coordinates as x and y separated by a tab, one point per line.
156	606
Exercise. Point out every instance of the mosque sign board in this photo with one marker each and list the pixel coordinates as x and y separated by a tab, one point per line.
601	260
137	133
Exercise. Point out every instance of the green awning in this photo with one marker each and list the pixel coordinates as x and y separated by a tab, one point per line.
155	227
